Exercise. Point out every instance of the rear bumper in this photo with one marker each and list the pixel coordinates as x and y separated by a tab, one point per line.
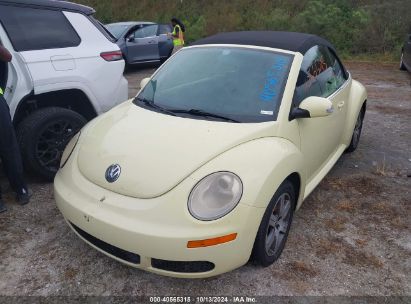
152	234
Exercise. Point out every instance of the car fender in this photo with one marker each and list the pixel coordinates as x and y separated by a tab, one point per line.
69	85
358	96
262	165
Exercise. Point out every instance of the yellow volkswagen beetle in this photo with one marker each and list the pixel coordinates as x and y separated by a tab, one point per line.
206	166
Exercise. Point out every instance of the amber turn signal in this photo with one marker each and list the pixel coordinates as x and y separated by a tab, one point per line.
213	241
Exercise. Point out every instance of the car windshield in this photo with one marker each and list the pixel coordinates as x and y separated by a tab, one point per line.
235	84
117	29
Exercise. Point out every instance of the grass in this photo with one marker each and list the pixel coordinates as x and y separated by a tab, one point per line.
380	168
361	259
393	110
383	170
303	269
361	243
398	223
383	208
337	224
391	57
326	246
351	255
346	205
70	273
362	183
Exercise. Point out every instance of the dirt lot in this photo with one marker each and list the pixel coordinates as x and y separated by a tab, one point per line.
351	237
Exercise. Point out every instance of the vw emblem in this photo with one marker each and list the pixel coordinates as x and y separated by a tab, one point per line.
113	173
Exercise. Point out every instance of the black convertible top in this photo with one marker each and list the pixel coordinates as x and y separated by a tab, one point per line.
51	4
291	41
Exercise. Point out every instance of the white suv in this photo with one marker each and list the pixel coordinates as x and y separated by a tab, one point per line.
66	69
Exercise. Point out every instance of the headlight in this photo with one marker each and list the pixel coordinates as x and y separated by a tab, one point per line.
69	149
215	196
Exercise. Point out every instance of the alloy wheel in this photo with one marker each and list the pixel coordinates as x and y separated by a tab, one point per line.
278	224
52	142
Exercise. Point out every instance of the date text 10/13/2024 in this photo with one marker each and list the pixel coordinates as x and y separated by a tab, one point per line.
203	299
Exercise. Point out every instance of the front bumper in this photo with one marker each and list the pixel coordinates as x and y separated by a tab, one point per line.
152	234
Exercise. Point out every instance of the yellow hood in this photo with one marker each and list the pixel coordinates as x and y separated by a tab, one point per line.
156	151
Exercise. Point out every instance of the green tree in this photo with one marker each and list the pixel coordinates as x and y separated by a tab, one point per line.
353	26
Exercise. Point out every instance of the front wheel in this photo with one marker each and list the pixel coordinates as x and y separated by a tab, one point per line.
275	226
43	137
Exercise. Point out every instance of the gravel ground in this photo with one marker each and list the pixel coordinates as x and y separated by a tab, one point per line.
351	237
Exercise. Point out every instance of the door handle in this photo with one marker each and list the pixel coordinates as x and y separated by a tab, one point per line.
341	105
152	41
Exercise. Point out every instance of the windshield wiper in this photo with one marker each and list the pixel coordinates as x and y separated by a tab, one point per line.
202	113
151	104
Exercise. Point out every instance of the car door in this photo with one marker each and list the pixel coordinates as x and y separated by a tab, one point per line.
322	75
18	83
142	44
165	41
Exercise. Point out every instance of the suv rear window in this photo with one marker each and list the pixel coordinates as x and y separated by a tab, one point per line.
102	29
32	29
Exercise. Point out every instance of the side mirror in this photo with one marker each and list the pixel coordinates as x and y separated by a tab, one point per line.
144	82
130	38
313	106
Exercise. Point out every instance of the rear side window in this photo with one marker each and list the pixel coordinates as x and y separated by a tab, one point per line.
102	29
32	29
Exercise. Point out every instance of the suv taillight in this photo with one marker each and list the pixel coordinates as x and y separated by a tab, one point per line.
112	56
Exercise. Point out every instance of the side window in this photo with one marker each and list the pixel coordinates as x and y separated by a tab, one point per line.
146	31
32	29
321	75
307	82
164	29
337	75
139	33
151	30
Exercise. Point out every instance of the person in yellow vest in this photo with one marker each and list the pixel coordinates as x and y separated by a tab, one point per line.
9	150
177	34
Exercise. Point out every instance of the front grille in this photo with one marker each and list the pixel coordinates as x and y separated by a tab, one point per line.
183	267
113	250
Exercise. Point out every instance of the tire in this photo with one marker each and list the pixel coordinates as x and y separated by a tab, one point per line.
402	65
42	137
355	139
272	225
128	67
